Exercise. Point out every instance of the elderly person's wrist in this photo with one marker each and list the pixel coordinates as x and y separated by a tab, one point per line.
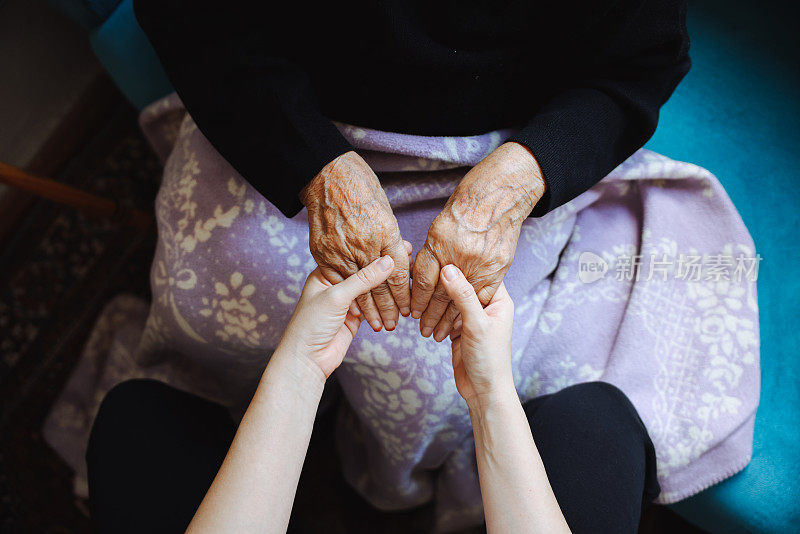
506	184
526	169
341	179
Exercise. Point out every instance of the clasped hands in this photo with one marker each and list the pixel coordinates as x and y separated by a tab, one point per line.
351	224
323	326
274	433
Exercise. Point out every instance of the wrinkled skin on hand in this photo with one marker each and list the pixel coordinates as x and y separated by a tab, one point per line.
350	225
477	231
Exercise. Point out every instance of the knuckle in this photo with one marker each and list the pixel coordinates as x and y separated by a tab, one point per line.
430	247
398	289
485	296
423	261
341	267
498	262
465	291
439	229
428	320
435	235
440	298
399	277
364	276
381	291
423	284
324	244
396	286
367	306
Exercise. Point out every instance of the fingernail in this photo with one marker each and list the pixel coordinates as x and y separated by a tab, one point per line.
386	263
405	311
426	331
390	325
416	314
450	272
375	326
439	335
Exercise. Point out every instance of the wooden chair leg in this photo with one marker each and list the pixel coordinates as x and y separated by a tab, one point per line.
88	203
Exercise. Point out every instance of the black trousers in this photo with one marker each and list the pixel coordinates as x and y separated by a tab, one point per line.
154	451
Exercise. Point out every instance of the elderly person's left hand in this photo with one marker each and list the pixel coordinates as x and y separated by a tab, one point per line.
477	231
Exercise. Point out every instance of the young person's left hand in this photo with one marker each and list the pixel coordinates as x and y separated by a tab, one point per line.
326	320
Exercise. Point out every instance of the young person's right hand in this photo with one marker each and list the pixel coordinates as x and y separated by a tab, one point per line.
481	339
516	493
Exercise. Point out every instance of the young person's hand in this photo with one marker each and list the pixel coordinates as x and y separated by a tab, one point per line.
516	493
255	487
481	339
326	320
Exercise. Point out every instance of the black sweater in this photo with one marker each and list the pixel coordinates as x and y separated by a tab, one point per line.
582	79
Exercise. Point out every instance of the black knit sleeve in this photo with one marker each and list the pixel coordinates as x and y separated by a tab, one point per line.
246	95
608	107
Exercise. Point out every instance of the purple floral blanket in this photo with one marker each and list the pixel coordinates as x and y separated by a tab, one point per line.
646	281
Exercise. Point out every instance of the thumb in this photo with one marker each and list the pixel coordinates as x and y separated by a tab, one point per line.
364	280
461	291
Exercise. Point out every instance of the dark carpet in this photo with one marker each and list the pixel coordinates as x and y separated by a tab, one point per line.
56	272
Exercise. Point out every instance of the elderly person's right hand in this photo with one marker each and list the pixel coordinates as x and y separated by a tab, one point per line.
350	225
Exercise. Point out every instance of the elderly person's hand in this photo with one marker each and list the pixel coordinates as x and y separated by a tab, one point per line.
351	224
477	231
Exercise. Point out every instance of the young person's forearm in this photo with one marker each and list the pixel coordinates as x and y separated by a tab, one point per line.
517	496
255	487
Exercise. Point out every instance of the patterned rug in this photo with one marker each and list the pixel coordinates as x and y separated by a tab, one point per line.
56	273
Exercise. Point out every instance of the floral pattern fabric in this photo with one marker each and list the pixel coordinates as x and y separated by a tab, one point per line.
601	292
